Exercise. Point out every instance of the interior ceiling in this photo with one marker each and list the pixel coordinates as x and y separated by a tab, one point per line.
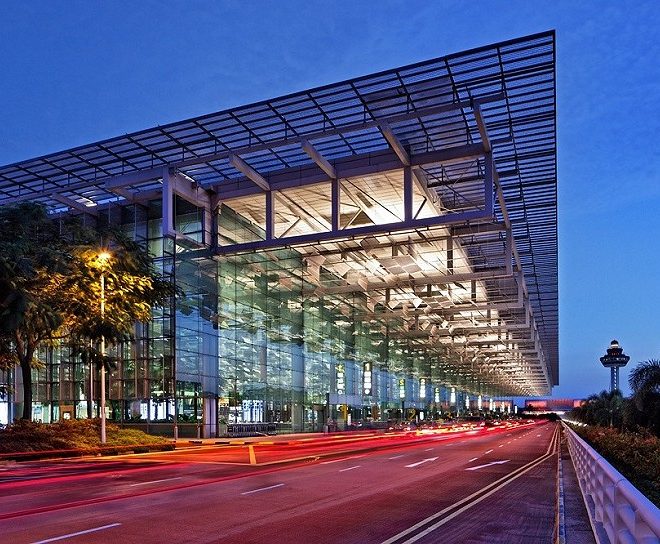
421	288
428	106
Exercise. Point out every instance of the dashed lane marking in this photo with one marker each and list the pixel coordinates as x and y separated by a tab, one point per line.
93	530
157	481
333	461
261	489
488	464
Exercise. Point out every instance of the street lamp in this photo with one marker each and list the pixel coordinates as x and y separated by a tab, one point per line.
103	258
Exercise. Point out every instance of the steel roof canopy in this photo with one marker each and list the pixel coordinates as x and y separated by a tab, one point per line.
514	81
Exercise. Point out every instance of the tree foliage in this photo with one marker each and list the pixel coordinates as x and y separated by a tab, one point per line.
605	409
644	381
50	289
639	412
31	256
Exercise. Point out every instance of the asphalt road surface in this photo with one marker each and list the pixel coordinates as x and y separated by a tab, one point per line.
484	486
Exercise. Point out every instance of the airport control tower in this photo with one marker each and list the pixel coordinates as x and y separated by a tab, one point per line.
614	359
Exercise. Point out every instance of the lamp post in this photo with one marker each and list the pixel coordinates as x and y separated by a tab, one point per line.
103	257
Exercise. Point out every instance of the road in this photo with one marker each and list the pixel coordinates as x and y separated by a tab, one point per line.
469	487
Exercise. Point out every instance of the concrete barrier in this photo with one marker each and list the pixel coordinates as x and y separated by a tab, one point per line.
619	513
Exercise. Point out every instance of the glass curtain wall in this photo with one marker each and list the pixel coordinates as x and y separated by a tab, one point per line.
249	342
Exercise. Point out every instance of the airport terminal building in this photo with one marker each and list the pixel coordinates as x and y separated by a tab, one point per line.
383	244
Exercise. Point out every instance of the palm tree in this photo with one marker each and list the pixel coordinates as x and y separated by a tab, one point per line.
604	408
644	381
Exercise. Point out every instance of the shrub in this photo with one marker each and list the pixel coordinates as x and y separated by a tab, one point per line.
27	436
635	455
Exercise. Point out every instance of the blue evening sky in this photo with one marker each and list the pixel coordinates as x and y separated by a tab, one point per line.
76	72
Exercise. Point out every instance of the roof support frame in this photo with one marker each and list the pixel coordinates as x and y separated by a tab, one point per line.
75	205
249	172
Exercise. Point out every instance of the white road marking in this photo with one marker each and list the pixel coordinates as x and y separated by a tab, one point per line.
538	435
473	459
500	445
349	468
421	462
101	528
157	481
261	489
489	451
488	465
429	449
396	457
334	461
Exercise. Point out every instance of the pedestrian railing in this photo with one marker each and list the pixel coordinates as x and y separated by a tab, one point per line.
619	513
250	429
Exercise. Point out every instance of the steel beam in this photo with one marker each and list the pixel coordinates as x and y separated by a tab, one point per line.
335	197
74	204
434	279
319	159
270	215
249	172
131	178
354	166
386	228
489	183
127	195
150	174
395	144
407	193
168	203
481	124
347	129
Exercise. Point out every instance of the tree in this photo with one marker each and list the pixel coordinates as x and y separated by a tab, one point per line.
32	257
644	381
50	275
132	289
605	408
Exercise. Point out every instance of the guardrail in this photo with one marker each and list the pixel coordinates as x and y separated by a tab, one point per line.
619	513
250	429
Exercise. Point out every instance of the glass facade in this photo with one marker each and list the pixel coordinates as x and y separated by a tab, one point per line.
252	343
348	253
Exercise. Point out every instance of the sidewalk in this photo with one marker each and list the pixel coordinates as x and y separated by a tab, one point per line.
575	520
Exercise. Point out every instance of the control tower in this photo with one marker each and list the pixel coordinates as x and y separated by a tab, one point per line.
614	359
